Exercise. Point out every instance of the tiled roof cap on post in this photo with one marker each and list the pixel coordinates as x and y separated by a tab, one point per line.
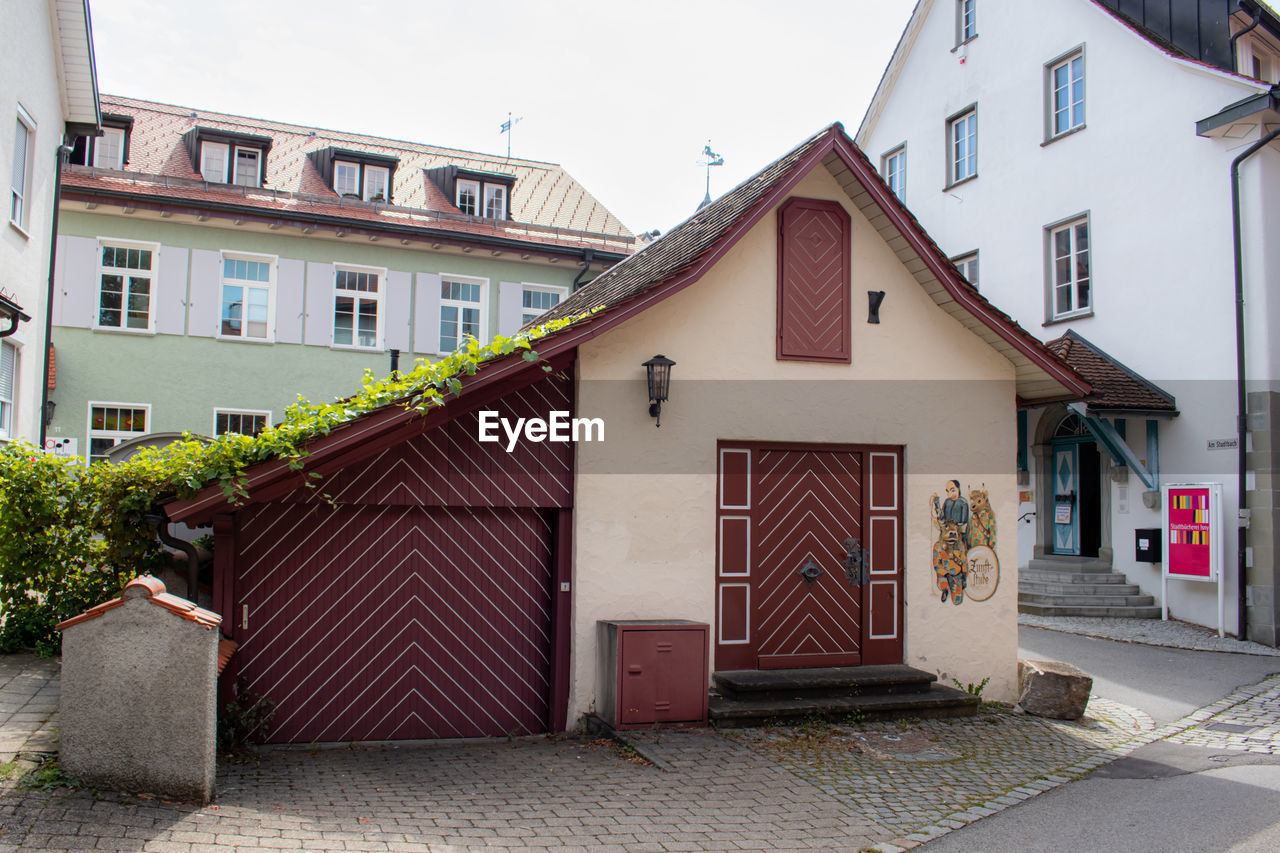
146	586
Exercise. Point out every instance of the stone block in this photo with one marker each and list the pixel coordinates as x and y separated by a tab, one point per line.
138	705
1051	689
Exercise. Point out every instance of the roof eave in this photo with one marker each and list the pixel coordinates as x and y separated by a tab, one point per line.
73	45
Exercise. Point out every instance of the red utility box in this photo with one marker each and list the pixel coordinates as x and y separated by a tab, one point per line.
652	672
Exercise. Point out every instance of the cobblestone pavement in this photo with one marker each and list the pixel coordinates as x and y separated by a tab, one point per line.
1151	632
28	704
921	779
1248	720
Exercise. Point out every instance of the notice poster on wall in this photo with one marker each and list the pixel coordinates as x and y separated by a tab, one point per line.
1193	530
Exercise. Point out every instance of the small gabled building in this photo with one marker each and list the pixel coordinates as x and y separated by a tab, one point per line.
213	267
832	484
1110	168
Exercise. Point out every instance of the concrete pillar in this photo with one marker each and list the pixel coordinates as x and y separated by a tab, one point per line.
139	684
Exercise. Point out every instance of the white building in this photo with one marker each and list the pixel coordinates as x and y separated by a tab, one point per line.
48	94
1074	158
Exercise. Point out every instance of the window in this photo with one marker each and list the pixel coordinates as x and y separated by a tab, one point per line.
23	154
538	298
112	423
469	198
8	374
1070	291
108	149
495	201
213	162
356	311
962	157
247	167
461	306
247	285
375	183
966	20
1066	94
243	422
894	168
346	179
968	266
126	274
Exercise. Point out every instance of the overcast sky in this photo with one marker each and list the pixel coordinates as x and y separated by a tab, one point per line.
624	95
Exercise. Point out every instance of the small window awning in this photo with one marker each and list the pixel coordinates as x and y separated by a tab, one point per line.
1117	390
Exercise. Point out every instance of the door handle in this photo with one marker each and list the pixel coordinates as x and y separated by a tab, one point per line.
856	562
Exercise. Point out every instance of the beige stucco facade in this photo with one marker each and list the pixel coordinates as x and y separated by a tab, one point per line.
645	516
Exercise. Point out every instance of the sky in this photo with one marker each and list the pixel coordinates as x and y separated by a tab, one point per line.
623	95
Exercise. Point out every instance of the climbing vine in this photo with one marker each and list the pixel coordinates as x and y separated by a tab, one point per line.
71	536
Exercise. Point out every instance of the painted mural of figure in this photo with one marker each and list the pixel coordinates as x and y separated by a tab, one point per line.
950	564
982	520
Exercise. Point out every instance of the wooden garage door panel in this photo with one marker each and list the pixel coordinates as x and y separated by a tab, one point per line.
396	622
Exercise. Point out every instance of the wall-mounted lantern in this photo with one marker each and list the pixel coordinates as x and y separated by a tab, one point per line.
658	374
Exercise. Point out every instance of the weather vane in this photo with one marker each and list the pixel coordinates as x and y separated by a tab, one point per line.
710	158
505	127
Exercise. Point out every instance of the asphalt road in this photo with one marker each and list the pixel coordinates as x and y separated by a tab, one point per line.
1163	797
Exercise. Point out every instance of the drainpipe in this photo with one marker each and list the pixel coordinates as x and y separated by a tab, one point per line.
395	362
158	518
62	153
1257	19
587	256
1242	401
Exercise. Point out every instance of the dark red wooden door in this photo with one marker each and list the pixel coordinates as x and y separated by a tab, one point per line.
396	622
784	515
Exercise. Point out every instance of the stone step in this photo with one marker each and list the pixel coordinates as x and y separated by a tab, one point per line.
1086	600
889	679
1055	610
1075	565
1079	588
936	702
1071	577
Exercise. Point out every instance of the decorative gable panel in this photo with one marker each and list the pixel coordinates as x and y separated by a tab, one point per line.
813	282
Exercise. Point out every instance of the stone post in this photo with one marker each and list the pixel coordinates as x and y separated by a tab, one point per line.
139	685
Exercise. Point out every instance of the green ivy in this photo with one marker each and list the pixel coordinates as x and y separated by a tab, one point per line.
71	536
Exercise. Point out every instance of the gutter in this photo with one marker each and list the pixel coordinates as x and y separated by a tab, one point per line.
1242	401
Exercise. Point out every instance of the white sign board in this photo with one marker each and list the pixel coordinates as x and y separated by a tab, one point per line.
62	446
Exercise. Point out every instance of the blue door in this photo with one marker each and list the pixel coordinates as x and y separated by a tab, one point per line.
1066	499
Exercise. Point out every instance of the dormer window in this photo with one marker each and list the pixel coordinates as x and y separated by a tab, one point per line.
475	193
108	151
225	157
356	174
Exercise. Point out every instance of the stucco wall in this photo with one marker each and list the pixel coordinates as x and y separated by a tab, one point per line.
137	710
28	77
644	537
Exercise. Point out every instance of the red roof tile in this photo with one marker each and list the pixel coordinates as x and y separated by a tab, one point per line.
151	588
1115	387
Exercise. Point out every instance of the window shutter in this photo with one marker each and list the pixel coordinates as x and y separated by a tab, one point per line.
399	286
8	360
814	282
318	327
426	314
206	293
510	307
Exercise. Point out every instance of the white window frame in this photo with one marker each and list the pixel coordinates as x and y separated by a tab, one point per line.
1051	94
967	264
366	191
1069	225
899	175
495	193
152	274
474	186
525	287
7	413
265	414
482	324
117	435
206	148
380	310
22	170
269	286
257	166
117	162
970	158
966	21
338	166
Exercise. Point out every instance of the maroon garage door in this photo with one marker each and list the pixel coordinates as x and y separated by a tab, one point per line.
396	622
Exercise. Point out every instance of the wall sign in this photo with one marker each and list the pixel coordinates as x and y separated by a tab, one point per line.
1193	538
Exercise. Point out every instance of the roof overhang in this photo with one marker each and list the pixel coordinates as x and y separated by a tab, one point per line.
77	69
1241	119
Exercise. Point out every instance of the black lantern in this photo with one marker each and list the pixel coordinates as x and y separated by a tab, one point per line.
658	370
